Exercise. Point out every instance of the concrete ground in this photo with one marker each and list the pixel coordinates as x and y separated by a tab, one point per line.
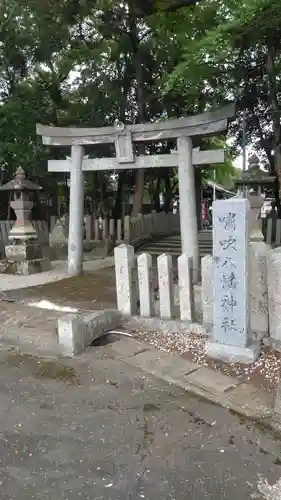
97	428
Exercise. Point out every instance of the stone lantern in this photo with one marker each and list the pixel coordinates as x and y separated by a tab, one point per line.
254	179
23	255
253	162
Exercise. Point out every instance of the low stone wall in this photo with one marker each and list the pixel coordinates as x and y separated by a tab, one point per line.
138	291
170	295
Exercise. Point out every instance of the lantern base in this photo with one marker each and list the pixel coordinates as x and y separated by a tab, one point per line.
25	267
23	252
24	258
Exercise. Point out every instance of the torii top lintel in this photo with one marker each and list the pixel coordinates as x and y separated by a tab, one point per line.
208	123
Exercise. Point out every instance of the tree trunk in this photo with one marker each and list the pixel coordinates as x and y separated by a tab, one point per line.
156	200
137	206
122	177
94	192
168	197
118	205
273	102
140	100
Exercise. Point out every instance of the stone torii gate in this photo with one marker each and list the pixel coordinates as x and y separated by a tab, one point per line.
183	129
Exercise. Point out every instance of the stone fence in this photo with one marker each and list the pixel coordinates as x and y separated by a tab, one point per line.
129	229
168	294
137	287
132	229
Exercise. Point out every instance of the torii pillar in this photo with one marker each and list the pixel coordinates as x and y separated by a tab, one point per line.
76	213
187	197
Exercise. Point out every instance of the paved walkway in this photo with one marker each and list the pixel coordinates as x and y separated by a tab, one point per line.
96	428
58	272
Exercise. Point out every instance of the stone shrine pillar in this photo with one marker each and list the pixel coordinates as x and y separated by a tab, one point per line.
232	337
188	217
76	213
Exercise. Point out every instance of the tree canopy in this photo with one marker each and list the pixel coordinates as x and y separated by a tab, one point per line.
88	62
237	55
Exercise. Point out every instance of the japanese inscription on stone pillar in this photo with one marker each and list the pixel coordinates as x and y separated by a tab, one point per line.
230	244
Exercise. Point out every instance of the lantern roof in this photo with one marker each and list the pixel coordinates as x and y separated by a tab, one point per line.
253	160
255	176
20	183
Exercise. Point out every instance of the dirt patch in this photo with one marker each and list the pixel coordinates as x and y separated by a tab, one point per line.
42	368
96	287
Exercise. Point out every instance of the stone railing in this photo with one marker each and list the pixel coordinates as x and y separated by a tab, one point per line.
129	229
238	302
148	226
132	229
135	284
161	293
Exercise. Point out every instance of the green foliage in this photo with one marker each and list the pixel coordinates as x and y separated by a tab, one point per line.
89	62
231	57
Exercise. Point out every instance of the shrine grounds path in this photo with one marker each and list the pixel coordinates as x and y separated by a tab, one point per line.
97	428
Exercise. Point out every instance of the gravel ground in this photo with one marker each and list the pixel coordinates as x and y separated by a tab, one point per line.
265	372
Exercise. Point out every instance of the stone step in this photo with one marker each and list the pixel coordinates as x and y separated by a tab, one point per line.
173	252
177	239
170	248
173	241
172	245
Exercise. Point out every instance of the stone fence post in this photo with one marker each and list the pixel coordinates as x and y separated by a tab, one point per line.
186	294
124	257
207	266
166	287
145	285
